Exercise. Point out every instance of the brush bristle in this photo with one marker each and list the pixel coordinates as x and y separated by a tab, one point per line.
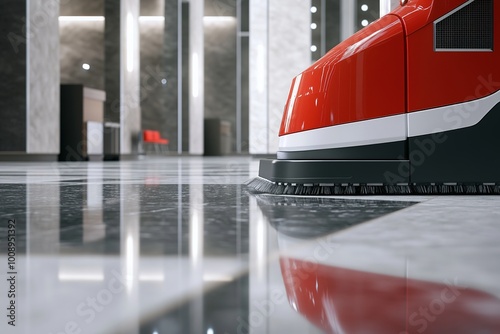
261	185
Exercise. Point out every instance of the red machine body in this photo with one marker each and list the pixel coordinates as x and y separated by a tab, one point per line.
391	67
412	99
351	82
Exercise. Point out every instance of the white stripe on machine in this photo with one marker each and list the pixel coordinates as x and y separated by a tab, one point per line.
392	128
373	131
453	117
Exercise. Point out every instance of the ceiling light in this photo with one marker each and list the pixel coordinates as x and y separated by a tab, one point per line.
314	9
217	278
86	66
81	18
364	7
151	18
364	23
313	26
314	48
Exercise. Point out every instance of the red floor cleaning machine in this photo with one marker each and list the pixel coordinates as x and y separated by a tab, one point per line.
410	104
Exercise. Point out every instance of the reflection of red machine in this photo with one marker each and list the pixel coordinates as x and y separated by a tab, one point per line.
349	273
412	99
344	301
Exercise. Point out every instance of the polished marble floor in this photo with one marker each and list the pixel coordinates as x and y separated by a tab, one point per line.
178	245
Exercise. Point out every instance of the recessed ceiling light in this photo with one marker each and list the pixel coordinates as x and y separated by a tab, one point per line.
313	26
81	18
314	9
86	66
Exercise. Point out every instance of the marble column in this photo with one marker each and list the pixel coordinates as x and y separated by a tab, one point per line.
273	34
43	62
197	79
387	5
258	86
347	18
29	91
122	71
172	61
290	35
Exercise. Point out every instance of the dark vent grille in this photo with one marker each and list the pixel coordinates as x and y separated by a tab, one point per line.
469	28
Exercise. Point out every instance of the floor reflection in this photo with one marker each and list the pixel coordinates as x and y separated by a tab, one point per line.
305	217
341	300
169	219
106	253
346	284
251	304
180	246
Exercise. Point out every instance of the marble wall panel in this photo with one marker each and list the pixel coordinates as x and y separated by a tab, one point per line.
152	7
13	74
29	97
153	110
245	97
220	7
332	24
185	77
159	70
82	8
170	71
112	59
82	42
220	71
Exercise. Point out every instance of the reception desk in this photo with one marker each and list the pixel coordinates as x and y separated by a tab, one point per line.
82	123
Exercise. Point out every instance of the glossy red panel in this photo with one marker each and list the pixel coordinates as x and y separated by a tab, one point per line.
378	73
361	78
341	300
437	78
416	14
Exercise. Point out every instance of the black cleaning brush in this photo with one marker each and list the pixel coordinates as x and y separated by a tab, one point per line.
261	185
